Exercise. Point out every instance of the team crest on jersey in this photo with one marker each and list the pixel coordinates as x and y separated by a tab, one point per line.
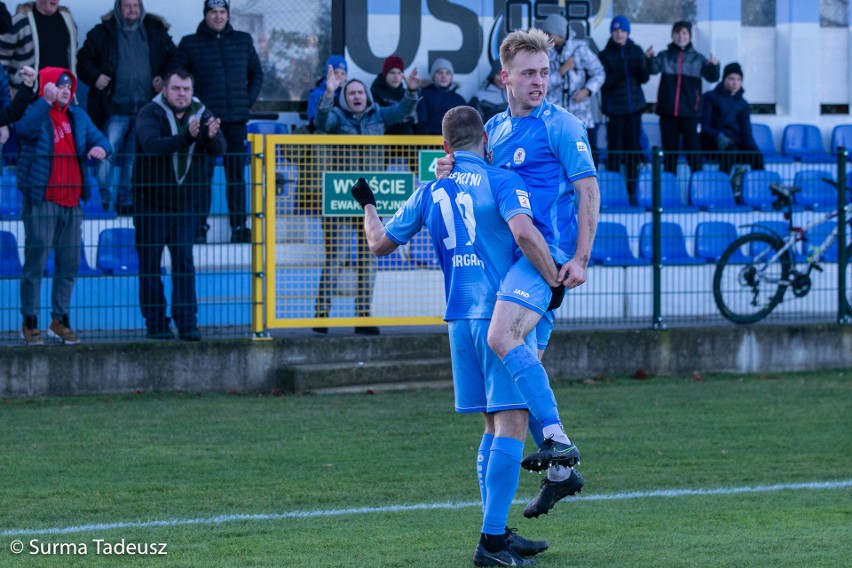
520	156
581	147
523	198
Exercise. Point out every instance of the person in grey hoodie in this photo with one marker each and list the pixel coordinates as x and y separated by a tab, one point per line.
356	114
123	61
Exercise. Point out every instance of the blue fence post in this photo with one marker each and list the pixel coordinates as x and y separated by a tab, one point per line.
656	213
844	310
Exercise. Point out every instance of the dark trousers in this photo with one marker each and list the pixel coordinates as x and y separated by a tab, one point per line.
346	245
624	147
156	230
672	131
234	162
739	154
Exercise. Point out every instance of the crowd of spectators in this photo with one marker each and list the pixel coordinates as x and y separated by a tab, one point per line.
126	58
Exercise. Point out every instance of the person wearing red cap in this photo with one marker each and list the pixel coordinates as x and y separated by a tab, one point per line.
56	139
388	89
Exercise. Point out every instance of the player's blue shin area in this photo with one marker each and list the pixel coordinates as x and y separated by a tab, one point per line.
536	431
482	465
531	380
501	481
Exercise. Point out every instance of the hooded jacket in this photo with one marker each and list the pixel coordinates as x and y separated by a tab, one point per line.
171	166
226	68
724	113
36	139
626	71
680	84
99	56
19	48
588	73
374	120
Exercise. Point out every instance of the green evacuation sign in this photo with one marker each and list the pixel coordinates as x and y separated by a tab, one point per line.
392	189
428	163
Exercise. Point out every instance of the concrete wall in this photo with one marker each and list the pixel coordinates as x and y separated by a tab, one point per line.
249	366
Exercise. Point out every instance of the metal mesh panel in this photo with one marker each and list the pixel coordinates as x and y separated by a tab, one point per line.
322	265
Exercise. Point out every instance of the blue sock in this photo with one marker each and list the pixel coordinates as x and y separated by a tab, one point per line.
536	431
501	480
482	465
531	378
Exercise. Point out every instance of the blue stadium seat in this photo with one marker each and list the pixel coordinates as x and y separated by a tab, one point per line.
650	137
92	208
10	261
612	247
712	238
267	127
669	193
763	138
614	198
756	192
672	244
803	142
10	197
711	191
816	194
602	143
117	252
84	270
841	135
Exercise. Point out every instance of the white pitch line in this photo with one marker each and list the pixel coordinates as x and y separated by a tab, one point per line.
222	519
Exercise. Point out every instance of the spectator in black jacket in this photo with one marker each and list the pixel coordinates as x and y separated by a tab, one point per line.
228	78
437	98
679	95
123	61
726	123
388	89
623	100
176	139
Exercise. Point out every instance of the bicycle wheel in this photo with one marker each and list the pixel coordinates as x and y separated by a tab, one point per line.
747	288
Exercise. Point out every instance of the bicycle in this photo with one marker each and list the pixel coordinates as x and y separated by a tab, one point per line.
748	286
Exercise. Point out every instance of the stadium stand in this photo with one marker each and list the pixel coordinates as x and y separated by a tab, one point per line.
756	192
117	252
612	247
763	137
817	194
710	190
614	198
712	238
10	262
670	199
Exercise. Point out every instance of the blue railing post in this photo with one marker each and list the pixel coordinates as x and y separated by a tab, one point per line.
844	317
656	213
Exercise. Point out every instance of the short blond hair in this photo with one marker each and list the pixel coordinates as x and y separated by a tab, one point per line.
532	40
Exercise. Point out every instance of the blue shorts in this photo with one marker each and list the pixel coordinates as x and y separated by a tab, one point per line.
524	285
480	381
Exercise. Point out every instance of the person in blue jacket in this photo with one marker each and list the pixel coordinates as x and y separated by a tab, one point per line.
56	139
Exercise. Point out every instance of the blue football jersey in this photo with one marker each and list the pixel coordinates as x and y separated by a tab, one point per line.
467	216
549	149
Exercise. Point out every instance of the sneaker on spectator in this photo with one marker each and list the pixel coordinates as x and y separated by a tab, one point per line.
60	328
30	332
160	333
241	235
193	334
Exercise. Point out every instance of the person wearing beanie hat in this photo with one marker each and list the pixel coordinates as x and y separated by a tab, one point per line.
356	114
679	94
56	139
123	61
336	62
623	101
228	78
438	97
555	24
576	75
726	125
214	4
388	89
491	99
